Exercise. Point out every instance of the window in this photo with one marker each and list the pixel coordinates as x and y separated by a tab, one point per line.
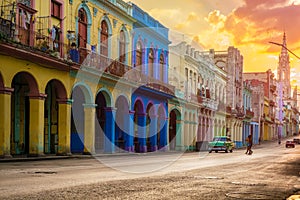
150	63
55	9
122	47
138	56
161	67
104	38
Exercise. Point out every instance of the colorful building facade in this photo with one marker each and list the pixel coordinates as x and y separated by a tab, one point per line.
68	84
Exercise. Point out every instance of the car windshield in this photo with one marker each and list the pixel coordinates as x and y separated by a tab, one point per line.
220	139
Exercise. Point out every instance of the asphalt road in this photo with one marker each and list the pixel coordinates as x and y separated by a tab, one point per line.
271	172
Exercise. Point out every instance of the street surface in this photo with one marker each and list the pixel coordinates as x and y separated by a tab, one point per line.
272	172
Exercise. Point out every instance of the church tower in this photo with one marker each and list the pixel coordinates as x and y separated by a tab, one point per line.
283	70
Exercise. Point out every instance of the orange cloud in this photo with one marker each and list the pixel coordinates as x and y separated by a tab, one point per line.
192	17
215	17
265	17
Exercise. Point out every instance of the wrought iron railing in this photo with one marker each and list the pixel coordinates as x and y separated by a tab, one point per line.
32	40
249	113
43	44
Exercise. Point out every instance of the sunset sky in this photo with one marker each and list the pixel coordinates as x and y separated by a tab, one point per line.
248	25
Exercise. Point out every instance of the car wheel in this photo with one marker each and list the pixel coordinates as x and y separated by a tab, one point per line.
216	151
226	151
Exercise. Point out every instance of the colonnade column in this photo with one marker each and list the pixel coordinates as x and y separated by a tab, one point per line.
5	121
179	127
89	128
109	139
203	129
129	133
163	133
36	124
153	132
199	132
142	132
64	126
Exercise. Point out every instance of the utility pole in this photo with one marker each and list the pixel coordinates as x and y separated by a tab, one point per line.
280	114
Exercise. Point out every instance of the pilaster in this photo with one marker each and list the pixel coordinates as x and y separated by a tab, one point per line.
5	121
89	128
64	126
36	125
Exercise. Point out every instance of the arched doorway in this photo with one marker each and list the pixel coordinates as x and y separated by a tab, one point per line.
173	128
77	120
161	125
121	128
139	120
24	86
56	92
100	122
151	130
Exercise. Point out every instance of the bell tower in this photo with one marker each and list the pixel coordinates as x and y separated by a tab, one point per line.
283	70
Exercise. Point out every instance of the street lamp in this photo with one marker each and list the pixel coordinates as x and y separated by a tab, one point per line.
278	44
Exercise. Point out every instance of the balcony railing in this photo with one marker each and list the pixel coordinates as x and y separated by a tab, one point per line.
102	63
196	98
32	40
249	113
38	43
272	103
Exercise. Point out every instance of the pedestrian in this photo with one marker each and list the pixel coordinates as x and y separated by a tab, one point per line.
249	144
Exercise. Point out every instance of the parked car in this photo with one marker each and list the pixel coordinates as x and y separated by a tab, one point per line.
296	140
221	143
289	143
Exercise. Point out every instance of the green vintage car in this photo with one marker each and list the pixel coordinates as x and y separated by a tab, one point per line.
221	143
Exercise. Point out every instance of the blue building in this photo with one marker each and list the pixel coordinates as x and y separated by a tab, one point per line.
150	101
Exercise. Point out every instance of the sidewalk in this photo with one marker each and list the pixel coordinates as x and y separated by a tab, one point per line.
83	156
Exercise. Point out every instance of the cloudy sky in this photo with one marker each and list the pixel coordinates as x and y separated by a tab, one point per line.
248	25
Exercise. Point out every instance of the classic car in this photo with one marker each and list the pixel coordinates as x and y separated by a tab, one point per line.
289	143
221	143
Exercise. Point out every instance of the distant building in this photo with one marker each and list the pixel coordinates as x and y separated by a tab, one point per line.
264	85
231	61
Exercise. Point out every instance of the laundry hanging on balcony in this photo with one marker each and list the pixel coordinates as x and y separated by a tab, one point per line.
25	19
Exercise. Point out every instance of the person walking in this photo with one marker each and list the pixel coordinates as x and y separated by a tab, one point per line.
249	143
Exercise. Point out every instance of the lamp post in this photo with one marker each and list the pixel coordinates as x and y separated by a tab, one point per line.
278	44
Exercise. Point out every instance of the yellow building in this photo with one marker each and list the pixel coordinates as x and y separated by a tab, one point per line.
42	44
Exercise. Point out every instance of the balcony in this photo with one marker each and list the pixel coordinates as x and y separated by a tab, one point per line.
273	88
228	109
272	103
196	98
99	63
249	113
237	112
33	46
31	41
